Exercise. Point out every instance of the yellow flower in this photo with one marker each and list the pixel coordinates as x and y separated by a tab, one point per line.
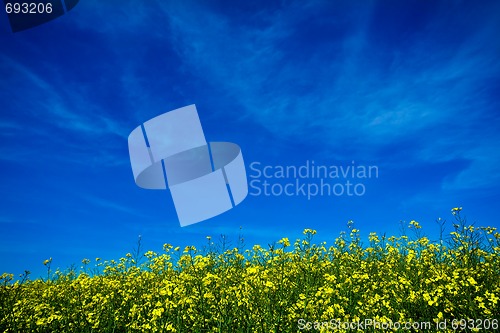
415	224
285	241
309	231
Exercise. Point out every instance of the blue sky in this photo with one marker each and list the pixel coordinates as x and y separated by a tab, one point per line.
412	87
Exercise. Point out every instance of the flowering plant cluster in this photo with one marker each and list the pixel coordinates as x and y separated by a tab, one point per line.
389	279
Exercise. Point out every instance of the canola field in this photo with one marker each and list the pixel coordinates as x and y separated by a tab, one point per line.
404	283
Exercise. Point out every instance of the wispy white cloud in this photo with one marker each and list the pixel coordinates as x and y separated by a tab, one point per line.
113	205
352	88
294	82
45	106
59	103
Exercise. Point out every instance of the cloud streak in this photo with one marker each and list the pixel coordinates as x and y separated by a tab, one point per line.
53	109
350	87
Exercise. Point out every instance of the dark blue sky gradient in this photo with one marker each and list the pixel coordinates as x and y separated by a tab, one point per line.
412	87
